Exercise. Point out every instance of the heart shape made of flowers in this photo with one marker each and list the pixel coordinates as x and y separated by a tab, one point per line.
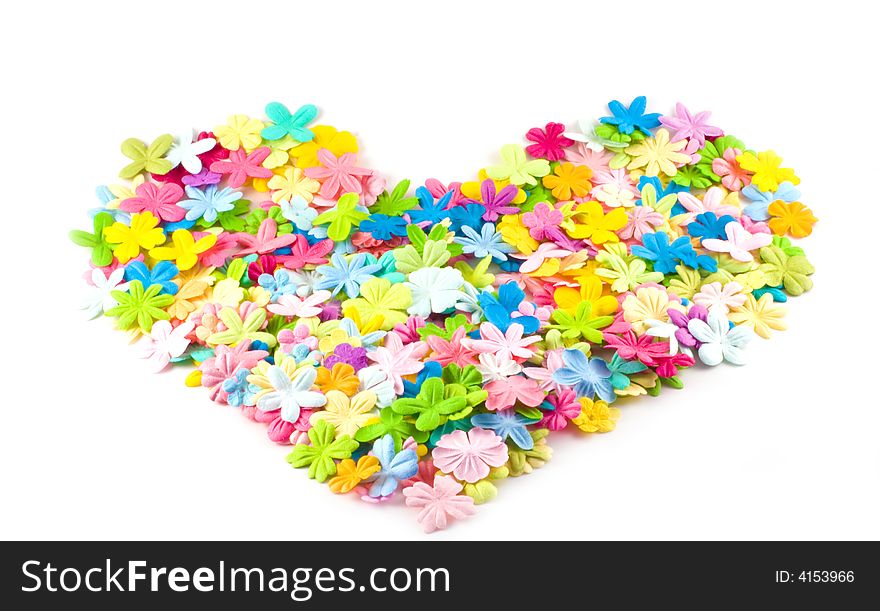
429	341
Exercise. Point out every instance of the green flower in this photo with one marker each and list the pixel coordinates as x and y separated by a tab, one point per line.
523	462
790	271
396	202
324	448
621	370
102	254
390	423
464	382
253	220
145	157
430	405
450	324
342	217
691	176
140	306
238	330
625	273
231	220
537	194
582	324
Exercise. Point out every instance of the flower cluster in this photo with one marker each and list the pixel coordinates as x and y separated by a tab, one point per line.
428	340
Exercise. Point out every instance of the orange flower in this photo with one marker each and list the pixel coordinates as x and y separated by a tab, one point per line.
568	178
795	219
342	377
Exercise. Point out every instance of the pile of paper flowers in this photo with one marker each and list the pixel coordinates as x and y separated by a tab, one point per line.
429	341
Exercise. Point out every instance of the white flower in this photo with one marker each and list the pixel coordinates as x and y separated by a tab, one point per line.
291	394
614	196
375	380
720	342
164	343
98	298
713	295
186	152
495	368
434	289
587	135
663	330
298	211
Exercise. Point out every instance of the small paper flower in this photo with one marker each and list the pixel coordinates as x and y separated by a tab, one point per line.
761	315
596	416
568	180
288	388
550	142
725	298
100	295
186	150
439	502
687	126
240	131
657	154
516	168
793	219
767	174
347	415
164	343
588	377
469	455
718	341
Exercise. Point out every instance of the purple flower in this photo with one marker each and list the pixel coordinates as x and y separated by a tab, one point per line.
346	353
680	320
496	204
203	178
332	310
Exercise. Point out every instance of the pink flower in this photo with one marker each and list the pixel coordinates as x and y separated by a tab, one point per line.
451	351
224	248
241	165
641	220
505	393
306	307
565	407
373	185
724	297
438	190
630	346
267	239
739	242
510	344
396	360
439	503
164	343
733	177
712	202
225	362
544	375
301	334
684	125
468	456
161	200
543	221
549	142
409	331
581	154
533	261
337	174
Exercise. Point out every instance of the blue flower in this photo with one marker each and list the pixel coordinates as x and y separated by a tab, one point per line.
708	226
470	215
162	274
349	274
670	189
507	423
237	388
388	265
277	284
656	247
498	310
432	369
208	203
395	466
383	227
775	291
634	117
487	242
297	211
105	196
429	210
588	377
621	370
368	341
761	200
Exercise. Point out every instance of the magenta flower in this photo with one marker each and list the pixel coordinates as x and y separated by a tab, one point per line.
632	347
668	365
549	142
543	222
346	353
681	320
468	456
565	407
338	174
684	125
439	503
409	331
496	204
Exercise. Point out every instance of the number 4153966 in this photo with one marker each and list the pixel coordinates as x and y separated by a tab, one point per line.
815	576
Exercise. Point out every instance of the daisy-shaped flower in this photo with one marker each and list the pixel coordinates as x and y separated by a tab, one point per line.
510	344
161	200
240	131
658	154
434	290
648	303
486	243
719	342
596	416
291	183
494	367
207	203
549	143
99	298
338	174
507	392
766	170
733	177
761	315
693	127
569	180
640	220
347	415
287	388
439	503
164	343
725	298
469	455
793	218
396	360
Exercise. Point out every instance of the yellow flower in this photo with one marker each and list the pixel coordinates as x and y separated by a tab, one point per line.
472	189
184	249
794	219
516	234
590	222
380	298
259	376
341	378
648	303
350	474
686	283
365	328
657	154
123	192
227	292
142	233
292	182
568	179
279	154
346	415
767	173
240	131
596	416
329	341
193	285
568	298
762	315
326	137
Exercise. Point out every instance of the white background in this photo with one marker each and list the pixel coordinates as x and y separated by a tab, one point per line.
93	446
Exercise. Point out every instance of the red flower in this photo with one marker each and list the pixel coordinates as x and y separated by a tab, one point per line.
549	142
